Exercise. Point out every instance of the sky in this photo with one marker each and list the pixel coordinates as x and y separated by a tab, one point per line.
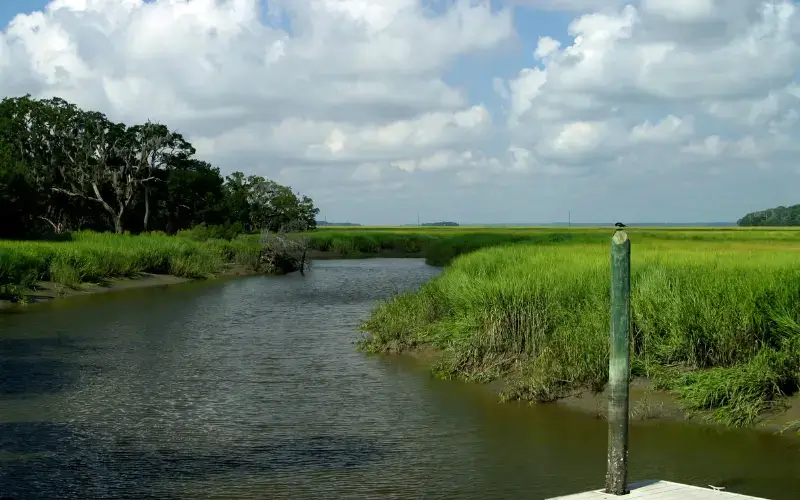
474	111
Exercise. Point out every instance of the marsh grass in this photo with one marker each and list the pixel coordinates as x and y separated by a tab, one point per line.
95	257
645	409
440	245
714	319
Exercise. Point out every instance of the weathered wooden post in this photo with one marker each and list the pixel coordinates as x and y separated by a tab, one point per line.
619	364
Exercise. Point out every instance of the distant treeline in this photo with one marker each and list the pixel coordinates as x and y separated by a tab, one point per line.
778	216
343	224
63	168
443	223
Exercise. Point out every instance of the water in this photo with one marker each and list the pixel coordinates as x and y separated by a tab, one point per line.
252	388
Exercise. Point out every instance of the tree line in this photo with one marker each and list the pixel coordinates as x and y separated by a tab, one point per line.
778	216
63	168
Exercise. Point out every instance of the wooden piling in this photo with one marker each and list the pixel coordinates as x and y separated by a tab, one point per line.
619	365
619	384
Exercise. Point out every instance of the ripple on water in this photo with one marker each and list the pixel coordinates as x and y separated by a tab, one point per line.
252	389
47	460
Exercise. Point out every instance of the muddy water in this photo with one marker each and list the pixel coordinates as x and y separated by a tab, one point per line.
252	388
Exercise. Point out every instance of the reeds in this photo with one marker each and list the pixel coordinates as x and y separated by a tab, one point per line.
94	257
715	321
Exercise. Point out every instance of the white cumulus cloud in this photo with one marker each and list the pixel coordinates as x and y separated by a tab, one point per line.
380	102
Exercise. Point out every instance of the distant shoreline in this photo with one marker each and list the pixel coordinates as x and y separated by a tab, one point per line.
609	224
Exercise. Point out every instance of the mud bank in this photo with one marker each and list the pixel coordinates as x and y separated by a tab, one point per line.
647	404
45	291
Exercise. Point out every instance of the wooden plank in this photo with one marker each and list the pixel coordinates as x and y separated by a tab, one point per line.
661	490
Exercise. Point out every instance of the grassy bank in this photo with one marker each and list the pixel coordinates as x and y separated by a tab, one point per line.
95	257
715	311
715	317
440	245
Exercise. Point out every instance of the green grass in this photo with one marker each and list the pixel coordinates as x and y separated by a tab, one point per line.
95	257
440	245
715	317
715	311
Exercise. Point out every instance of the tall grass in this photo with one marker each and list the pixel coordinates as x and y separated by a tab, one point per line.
440	245
94	257
715	321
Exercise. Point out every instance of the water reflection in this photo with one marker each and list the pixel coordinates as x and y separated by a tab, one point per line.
47	460
252	388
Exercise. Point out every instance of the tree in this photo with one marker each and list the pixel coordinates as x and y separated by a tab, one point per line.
149	148
194	194
96	154
273	206
778	216
64	168
32	150
16	203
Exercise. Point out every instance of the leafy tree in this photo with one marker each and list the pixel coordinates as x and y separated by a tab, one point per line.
779	216
63	168
194	194
150	148
273	206
237	193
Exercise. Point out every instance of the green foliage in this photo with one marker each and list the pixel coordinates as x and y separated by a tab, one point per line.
439	246
738	394
440	224
779	216
64	273
716	323
202	232
96	257
63	168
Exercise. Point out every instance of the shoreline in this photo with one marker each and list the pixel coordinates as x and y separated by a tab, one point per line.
382	254
48	291
646	405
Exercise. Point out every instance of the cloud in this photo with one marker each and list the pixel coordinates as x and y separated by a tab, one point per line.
669	130
304	81
693	79
381	101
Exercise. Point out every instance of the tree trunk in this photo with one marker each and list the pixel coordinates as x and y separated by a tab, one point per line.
146	207
118	224
118	220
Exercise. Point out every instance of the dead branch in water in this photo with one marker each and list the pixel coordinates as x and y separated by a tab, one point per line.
286	250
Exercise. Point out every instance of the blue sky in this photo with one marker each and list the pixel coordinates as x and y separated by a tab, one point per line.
10	8
690	112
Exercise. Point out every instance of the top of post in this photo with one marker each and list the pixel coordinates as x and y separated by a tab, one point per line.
620	237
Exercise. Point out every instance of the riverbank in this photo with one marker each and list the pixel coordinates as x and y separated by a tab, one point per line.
45	291
87	257
715	320
92	257
647	402
440	245
714	310
437	245
28	268
263	373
